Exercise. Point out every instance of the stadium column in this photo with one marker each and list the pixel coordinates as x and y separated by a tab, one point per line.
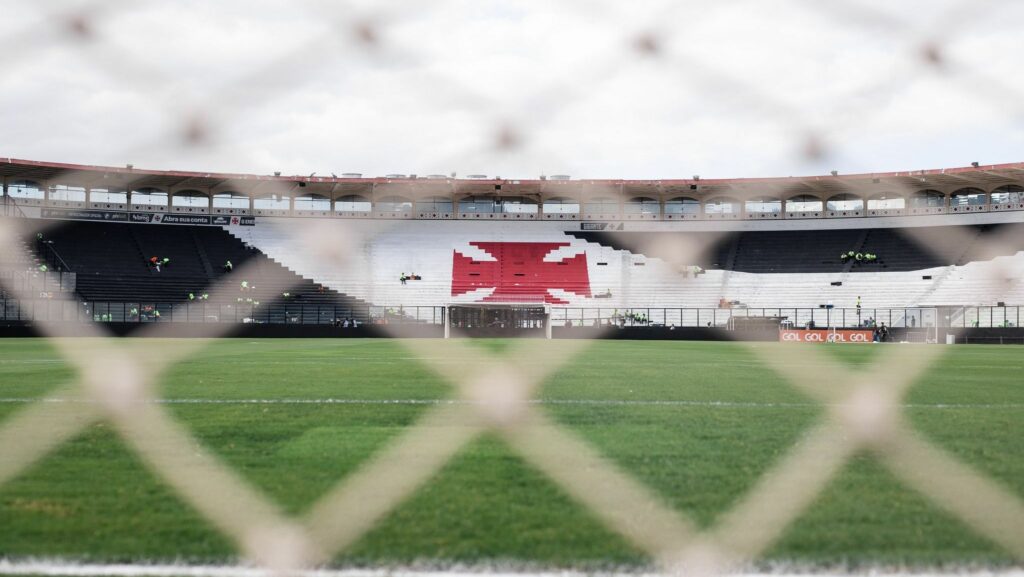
447	322
547	321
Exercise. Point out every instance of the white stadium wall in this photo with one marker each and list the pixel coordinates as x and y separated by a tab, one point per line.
381	251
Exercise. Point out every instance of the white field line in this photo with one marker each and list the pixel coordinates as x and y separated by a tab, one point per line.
434	402
395	360
71	569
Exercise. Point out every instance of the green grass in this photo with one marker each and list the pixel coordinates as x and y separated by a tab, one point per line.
92	499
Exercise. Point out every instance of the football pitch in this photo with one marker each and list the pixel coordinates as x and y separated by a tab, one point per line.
698	423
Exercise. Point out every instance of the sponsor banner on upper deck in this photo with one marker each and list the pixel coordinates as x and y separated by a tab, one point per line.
825	336
600	226
160	218
85	214
148	217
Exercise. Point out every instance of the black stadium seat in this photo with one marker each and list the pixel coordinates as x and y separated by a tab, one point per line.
111	262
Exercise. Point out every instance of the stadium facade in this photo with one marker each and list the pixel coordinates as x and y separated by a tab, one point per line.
916	249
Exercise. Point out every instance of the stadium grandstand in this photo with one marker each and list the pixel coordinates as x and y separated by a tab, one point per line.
334	342
918	250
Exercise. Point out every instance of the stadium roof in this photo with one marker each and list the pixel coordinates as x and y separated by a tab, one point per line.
985	177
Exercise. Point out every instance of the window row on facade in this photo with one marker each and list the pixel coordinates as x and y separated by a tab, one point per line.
962	199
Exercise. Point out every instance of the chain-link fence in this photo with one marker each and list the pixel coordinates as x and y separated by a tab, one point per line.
117	382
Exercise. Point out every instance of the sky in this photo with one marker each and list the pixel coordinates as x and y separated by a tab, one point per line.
514	89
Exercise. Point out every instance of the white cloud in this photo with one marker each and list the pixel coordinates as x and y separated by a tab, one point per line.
732	89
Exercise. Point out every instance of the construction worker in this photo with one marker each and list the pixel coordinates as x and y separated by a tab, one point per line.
205	297
245	285
43	268
228	267
166	261
156	315
191	296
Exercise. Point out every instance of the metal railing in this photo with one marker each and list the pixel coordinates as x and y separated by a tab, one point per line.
724	317
311	314
207	312
36	282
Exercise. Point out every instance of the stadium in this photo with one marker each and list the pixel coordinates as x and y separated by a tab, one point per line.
236	370
922	251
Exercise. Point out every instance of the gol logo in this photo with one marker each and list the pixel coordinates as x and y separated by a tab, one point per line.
822	336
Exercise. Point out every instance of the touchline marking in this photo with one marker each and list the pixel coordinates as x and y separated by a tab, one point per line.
70	569
584	402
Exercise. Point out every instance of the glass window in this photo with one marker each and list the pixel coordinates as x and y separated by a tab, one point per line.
721	206
642	205
763	205
561	205
601	206
479	205
312	202
230	200
804	203
108	196
68	193
682	205
434	204
884	202
24	189
927	199
518	205
190	198
272	202
968	197
1011	194
352	203
843	202
149	197
393	204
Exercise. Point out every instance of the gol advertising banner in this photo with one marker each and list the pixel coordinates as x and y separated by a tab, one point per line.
825	336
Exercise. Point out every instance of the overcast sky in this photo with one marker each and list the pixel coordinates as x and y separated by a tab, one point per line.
593	89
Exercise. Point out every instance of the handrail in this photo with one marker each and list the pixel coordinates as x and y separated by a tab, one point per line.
57	259
923	318
8	203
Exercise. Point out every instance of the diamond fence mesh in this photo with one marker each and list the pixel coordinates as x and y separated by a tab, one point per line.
117	379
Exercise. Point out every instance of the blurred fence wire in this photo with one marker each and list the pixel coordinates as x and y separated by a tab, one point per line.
120	378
